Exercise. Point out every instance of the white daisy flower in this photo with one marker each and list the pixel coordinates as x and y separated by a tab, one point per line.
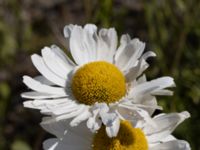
104	83
132	136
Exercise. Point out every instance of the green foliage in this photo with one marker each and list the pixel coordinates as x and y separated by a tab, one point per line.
104	12
173	32
4	95
20	145
7	43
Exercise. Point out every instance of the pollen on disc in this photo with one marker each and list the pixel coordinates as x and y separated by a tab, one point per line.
98	82
128	138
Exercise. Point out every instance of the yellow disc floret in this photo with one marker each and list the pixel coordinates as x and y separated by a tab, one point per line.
98	82
128	138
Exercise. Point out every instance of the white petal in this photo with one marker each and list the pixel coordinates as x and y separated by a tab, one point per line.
56	128
136	71
112	42
76	47
113	130
67	30
124	40
43	80
67	115
102	50
84	116
130	54
64	60
148	104
67	34
112	123
106	44
162	92
45	71
52	63
124	113
146	117
136	112
74	138
112	36
37	86
41	104
65	108
166	123
141	66
148	54
168	138
89	43
142	79
94	123
172	145
82	44
50	144
56	144
81	131
91	28
57	65
151	86
39	95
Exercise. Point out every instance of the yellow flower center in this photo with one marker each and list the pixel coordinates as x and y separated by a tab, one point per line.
128	138
98	82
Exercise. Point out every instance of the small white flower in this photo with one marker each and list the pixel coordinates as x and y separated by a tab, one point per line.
136	136
103	84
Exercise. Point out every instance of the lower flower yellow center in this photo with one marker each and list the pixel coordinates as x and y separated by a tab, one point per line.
128	138
98	82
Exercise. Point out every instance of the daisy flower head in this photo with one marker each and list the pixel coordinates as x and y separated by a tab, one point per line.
103	83
132	135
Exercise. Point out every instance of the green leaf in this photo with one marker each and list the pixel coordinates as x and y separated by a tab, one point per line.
20	145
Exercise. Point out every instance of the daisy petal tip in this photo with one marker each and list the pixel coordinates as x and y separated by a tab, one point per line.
153	54
170	81
24	77
50	144
75	123
113	130
111	133
34	56
160	108
92	125
45	121
22	95
184	145
150	54
91	28
185	114
67	30
45	50
27	104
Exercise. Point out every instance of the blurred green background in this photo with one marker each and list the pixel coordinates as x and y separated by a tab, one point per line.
171	28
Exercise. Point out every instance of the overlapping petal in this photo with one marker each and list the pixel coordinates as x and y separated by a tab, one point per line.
52	94
68	137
